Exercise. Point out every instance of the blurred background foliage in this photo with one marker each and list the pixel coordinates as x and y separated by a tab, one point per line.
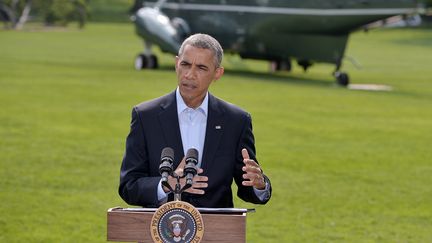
15	13
51	12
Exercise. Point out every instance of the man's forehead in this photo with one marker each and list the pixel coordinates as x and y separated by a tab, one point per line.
192	50
197	55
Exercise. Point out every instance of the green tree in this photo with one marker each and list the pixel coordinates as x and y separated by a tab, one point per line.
61	12
15	12
51	12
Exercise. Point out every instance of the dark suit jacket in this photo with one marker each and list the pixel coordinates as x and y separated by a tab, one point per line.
155	126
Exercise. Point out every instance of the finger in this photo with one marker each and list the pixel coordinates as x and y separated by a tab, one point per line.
200	178
247	183
180	167
195	191
252	167
251	176
253	179
245	154
182	164
248	180
197	188
199	171
199	185
259	185
250	162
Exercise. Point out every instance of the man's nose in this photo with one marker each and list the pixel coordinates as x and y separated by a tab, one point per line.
191	72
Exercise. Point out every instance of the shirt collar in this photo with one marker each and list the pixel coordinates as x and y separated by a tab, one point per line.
181	105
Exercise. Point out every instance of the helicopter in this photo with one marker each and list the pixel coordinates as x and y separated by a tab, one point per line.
307	31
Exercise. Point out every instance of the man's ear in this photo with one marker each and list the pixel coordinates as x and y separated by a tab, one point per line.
176	61
219	72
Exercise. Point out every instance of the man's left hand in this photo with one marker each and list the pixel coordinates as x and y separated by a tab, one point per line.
253	176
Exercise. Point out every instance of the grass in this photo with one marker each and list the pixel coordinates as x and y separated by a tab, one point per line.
346	166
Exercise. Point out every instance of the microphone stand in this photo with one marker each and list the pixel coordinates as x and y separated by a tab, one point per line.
178	190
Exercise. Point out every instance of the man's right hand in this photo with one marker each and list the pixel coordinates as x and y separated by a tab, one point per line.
198	185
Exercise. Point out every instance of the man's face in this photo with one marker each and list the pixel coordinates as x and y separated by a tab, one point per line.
196	70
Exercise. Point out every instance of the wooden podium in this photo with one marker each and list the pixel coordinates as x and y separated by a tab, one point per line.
133	224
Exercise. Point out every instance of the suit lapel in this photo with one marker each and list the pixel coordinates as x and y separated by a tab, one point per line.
168	119
214	131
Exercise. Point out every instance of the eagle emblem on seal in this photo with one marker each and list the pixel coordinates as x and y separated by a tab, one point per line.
177	227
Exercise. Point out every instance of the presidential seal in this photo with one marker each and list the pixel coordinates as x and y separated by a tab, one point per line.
176	222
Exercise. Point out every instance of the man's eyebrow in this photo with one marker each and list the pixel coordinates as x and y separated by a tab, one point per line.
202	66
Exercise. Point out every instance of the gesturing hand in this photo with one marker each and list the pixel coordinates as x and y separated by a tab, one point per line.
199	182
253	176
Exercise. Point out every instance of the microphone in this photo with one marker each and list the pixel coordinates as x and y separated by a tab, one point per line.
166	165
190	168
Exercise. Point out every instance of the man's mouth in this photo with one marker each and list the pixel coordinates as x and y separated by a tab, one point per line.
188	85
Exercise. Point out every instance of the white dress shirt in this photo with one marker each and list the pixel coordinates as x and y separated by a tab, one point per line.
193	124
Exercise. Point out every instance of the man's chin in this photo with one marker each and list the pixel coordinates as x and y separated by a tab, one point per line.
186	91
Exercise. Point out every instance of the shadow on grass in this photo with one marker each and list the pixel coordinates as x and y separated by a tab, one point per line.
280	77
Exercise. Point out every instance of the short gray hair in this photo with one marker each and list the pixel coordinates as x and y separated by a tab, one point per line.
204	41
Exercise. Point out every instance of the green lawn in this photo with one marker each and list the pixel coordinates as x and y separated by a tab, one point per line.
346	166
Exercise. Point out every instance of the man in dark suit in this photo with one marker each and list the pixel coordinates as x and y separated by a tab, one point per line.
190	117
